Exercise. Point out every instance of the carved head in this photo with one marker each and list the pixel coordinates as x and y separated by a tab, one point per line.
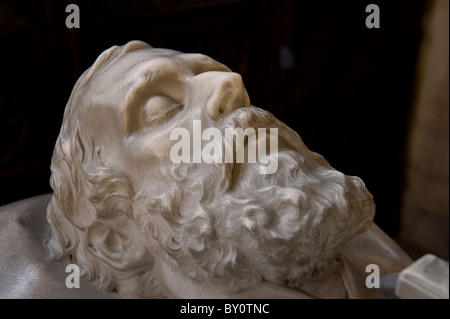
123	208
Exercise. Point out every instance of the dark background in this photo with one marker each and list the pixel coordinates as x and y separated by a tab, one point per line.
349	94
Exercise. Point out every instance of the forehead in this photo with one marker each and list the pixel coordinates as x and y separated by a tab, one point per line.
106	93
115	79
160	60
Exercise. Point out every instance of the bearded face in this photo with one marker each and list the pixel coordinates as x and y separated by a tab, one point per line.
122	209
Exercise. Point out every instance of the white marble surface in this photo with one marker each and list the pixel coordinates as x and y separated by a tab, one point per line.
25	271
142	224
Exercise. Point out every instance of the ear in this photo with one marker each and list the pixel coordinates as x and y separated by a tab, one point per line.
118	243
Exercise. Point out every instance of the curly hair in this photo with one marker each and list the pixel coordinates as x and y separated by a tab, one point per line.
91	207
285	228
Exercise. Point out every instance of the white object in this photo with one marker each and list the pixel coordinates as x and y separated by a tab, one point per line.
426	278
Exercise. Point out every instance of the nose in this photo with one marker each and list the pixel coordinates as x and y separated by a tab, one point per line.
218	92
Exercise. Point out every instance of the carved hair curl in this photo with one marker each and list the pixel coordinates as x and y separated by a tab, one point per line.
91	200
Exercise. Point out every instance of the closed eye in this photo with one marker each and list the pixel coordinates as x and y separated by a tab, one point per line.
158	110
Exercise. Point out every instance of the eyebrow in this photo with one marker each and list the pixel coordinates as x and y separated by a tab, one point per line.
160	66
145	79
163	67
203	63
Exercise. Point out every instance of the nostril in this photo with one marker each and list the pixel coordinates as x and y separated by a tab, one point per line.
223	105
226	92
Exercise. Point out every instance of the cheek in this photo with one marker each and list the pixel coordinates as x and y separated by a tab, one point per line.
142	153
140	156
102	124
153	145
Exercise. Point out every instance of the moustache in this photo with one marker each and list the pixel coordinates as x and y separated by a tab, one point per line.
257	118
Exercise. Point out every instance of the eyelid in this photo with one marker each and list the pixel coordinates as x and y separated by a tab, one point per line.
165	110
134	99
138	116
157	102
140	95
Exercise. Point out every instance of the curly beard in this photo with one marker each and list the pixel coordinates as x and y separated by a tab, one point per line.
231	226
